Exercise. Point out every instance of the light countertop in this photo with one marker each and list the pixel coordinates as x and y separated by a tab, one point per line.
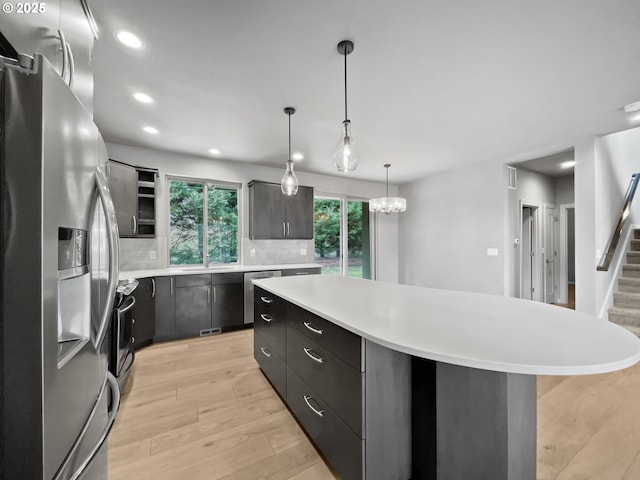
483	331
186	270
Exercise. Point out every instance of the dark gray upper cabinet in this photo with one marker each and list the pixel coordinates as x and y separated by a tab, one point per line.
273	215
300	214
34	27
133	193
123	183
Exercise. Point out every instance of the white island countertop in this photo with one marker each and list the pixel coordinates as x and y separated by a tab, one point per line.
186	270
475	330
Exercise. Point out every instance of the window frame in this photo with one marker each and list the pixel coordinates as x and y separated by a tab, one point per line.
344	228
205	215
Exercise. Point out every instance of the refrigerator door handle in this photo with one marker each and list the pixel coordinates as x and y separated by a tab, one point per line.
72	65
63	43
112	233
113	413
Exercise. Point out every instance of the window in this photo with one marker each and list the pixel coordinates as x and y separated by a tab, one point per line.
342	239
202	232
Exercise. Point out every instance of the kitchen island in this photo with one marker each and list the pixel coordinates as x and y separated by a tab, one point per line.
462	364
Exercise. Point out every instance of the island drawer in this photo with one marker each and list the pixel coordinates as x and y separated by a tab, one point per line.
269	320
266	300
337	383
338	443
339	341
271	363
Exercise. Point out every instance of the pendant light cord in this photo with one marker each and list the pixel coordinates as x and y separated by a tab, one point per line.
289	137
387	181
346	118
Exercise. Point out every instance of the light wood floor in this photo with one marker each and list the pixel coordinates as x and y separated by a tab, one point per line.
201	409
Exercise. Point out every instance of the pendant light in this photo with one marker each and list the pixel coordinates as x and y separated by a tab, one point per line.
346	153
387	204
289	184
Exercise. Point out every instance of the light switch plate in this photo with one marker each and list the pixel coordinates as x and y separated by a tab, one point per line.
303	251
152	254
253	252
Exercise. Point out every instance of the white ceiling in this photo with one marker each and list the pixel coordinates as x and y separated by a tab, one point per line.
433	84
550	165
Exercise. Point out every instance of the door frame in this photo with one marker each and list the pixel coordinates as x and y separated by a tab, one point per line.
344	227
537	264
553	254
563	255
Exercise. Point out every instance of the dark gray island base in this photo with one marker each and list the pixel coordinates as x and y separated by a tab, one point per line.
376	413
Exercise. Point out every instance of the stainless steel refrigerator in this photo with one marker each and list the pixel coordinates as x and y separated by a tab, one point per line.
59	244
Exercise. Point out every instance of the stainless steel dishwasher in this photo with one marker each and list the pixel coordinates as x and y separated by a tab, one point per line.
248	291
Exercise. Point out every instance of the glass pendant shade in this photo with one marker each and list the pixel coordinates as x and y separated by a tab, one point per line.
388	204
289	184
346	153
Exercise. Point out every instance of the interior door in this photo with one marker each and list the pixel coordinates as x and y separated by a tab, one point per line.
550	254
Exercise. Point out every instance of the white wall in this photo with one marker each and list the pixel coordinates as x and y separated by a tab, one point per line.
564	190
452	218
135	252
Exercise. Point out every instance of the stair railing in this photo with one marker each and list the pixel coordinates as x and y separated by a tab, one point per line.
607	256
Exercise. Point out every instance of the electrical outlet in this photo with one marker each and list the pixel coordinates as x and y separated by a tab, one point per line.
303	251
492	252
152	254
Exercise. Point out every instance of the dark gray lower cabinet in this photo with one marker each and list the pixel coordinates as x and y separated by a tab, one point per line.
165	305
351	396
227	311
289	272
193	310
199	304
145	312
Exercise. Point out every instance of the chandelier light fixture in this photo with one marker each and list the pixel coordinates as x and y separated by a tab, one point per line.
289	184
346	153
387	204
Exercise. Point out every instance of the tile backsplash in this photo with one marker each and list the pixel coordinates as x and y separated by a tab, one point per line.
151	253
274	252
143	253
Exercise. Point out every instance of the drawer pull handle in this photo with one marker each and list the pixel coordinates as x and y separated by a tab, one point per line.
314	330
265	352
266	318
266	300
318	412
310	354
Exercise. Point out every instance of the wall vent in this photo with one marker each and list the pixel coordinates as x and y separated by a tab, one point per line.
512	180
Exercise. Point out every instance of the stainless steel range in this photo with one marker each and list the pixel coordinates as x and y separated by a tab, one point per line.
122	354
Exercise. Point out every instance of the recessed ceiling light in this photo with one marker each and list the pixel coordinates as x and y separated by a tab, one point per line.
151	130
214	151
297	156
129	39
569	164
143	97
632	107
